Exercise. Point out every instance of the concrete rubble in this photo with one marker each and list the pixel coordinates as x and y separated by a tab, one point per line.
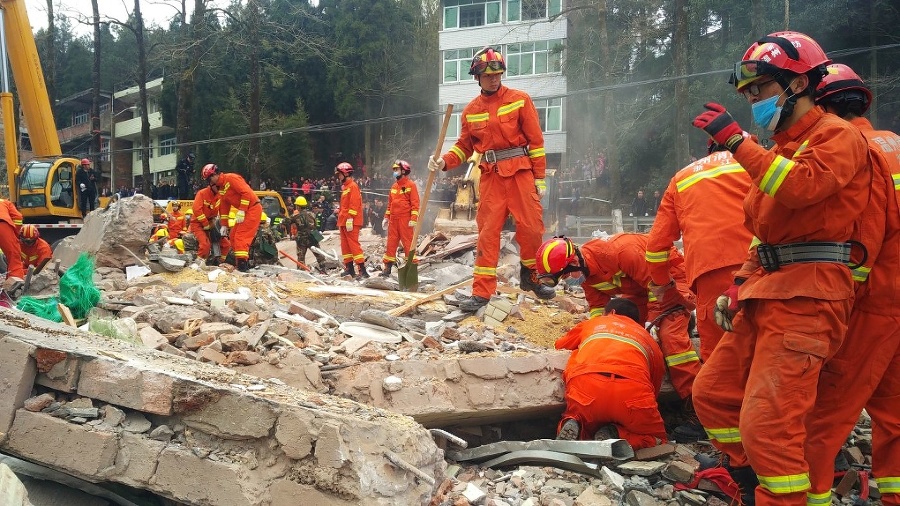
279	383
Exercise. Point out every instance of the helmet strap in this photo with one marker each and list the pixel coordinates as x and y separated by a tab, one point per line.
581	264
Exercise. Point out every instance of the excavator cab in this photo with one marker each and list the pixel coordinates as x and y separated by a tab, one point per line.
46	189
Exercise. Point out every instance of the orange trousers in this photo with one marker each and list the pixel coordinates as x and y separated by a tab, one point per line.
595	400
351	251
9	243
759	385
708	287
501	196
682	360
204	246
865	372
399	232
243	233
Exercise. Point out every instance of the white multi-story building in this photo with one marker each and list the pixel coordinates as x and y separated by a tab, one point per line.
531	35
163	156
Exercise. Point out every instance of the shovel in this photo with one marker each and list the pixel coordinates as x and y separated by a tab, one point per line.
408	274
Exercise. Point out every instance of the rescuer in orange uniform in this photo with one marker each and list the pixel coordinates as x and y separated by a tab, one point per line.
10	221
236	194
176	221
205	225
502	123
873	337
401	215
703	205
612	379
34	249
795	290
617	267
350	220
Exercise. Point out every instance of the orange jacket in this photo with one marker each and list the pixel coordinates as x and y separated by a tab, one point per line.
703	205
235	193
505	119
176	224
403	202
10	214
614	344
351	204
34	254
617	266
206	207
880	276
812	186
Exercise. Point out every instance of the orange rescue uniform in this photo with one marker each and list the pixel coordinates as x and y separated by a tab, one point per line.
613	376
236	194
617	267
503	120
402	207
10	221
759	385
176	224
206	212
36	252
703	205
872	345
351	208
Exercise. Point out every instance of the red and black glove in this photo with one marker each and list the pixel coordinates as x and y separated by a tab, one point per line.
719	124
727	306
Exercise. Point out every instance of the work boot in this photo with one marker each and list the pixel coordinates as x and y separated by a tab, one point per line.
608	431
570	430
747	481
243	265
349	270
363	272
528	281
212	261
472	303
386	273
689	432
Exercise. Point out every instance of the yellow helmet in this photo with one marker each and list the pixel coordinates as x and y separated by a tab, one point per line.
190	210
300	201
163	232
263	218
179	245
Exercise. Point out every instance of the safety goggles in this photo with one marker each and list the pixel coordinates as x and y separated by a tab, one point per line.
747	71
493	65
552	279
29	241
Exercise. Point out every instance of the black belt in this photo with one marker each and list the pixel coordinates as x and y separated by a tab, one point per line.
495	155
773	256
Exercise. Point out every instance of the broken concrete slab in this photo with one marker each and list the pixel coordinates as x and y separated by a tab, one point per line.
17	373
609	450
12	491
229	436
541	457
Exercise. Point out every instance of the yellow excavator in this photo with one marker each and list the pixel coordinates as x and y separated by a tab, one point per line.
462	210
42	189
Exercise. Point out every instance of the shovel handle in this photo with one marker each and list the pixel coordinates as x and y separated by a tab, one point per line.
292	259
437	152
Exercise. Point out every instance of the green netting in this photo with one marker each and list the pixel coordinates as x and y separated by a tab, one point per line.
45	308
76	290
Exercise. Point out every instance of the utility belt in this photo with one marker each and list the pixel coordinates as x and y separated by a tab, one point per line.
773	256
495	155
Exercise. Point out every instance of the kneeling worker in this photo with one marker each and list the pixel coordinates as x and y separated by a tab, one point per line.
612	379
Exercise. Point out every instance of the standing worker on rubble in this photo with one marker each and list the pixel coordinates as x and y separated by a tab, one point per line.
86	188
185	171
176	224
792	297
704	205
503	124
350	220
10	221
617	267
205	226
305	221
34	249
873	336
401	215
238	198
612	379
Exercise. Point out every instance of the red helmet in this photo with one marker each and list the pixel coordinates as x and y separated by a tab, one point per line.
344	168
85	161
555	255
776	52
841	83
403	165
487	61
29	233
208	170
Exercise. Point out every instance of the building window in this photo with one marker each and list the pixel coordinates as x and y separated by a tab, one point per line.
469	13
140	152
532	58
104	107
167	145
457	63
453	128
530	10
104	149
550	114
81	118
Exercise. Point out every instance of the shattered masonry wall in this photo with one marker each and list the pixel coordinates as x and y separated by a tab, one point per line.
239	439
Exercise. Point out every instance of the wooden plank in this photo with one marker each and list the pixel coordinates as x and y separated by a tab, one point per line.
409	306
67	317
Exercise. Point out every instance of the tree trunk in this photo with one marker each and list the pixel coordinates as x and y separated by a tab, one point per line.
756	20
607	105
95	94
146	180
680	46
186	82
873	62
787	15
50	64
254	93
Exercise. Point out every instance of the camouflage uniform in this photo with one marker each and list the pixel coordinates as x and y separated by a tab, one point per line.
264	248
305	221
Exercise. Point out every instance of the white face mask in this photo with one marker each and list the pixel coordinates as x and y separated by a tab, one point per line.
397	174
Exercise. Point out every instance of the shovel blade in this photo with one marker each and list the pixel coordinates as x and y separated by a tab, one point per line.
408	275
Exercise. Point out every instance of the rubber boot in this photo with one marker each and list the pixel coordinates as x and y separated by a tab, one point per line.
386	273
349	270
528	281
472	303
243	265
363	272
747	481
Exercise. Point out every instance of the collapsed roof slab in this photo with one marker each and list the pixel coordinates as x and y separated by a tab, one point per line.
243	440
